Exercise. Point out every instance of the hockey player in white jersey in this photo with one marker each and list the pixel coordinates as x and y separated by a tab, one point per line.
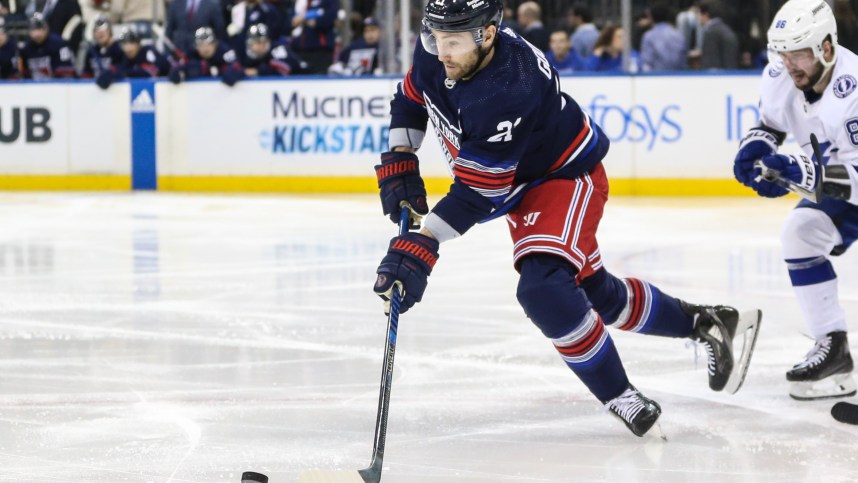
809	88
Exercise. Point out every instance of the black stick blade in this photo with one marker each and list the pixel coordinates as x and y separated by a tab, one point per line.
845	412
251	477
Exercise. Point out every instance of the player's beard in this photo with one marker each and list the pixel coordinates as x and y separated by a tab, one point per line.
469	67
810	79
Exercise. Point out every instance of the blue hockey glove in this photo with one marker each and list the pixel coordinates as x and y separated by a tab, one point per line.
175	75
800	170
756	144
409	260
104	79
399	180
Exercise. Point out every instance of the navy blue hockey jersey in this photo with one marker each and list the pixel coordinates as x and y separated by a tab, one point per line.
507	128
360	58
48	60
224	58
101	59
147	63
279	61
9	60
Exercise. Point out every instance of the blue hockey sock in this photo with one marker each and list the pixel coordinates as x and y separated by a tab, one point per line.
810	271
555	303
636	306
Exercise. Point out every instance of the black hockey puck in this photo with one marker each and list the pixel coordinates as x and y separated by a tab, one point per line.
251	477
845	412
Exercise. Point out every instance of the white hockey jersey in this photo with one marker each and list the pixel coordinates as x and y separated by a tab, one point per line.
833	118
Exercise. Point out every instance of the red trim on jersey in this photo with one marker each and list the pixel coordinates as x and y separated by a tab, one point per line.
151	69
411	92
572	147
453	151
482	179
280	67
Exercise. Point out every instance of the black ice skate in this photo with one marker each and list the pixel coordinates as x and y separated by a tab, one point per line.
716	329
638	412
826	371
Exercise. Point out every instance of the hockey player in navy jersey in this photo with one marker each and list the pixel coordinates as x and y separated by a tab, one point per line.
105	54
520	147
45	55
8	54
210	58
361	56
262	58
809	88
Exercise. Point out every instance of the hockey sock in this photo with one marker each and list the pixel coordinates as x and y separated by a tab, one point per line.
815	285
636	306
555	303
591	354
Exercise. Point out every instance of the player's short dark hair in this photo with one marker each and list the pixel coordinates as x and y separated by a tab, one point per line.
583	11
660	12
712	8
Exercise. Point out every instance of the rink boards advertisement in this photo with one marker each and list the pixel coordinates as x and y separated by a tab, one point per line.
669	134
64	135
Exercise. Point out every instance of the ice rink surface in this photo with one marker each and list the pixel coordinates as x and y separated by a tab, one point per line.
180	338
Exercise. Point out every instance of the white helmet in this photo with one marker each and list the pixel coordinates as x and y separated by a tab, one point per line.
803	24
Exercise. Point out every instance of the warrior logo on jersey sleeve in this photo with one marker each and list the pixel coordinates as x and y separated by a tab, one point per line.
448	134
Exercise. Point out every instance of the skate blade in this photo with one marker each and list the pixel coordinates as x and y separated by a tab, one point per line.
838	385
655	433
330	476
748	327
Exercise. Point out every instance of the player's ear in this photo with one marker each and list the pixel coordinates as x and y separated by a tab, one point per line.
490	34
827	49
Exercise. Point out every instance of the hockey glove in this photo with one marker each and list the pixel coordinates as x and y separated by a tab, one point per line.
231	77
756	144
176	75
800	170
409	260
399	180
104	79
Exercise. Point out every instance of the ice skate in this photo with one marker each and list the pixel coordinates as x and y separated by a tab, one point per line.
717	328
826	371
637	411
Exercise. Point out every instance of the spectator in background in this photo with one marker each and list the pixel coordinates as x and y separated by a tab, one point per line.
508	17
45	55
530	25
847	25
253	12
608	52
586	34
8	54
560	54
662	46
104	55
209	58
361	56
262	58
185	17
688	24
313	32
720	49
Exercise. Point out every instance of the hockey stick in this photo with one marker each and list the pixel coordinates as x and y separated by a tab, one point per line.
372	473
774	176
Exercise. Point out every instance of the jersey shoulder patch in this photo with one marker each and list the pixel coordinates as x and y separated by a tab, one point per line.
844	85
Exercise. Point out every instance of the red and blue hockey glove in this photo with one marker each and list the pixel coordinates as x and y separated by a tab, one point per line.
409	260
756	144
399	180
